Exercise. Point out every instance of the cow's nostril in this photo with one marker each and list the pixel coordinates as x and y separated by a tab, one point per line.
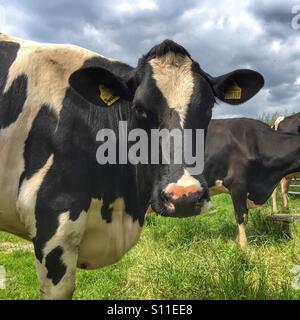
168	199
174	198
168	196
178	191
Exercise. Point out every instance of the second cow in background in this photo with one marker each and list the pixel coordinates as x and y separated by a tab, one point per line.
290	125
246	158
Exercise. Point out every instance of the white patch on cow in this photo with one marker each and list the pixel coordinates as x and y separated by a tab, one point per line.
185	183
68	237
12	141
277	122
27	197
173	76
105	243
188	181
218	188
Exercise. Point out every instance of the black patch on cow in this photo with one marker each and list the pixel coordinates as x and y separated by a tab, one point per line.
22	177
56	268
106	211
64	189
38	148
12	102
39	144
65	185
202	102
8	54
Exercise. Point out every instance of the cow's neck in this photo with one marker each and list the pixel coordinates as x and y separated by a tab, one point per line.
133	183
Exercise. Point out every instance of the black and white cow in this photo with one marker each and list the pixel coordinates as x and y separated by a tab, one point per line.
246	158
289	125
53	192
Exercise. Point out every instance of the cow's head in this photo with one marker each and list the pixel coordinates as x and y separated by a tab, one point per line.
169	90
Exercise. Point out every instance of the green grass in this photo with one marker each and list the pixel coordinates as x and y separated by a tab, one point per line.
194	258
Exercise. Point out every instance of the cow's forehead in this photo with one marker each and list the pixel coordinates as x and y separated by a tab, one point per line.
173	76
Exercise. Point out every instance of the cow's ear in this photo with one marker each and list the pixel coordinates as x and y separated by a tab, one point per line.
238	86
98	85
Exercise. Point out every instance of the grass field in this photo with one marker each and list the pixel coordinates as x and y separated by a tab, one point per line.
195	258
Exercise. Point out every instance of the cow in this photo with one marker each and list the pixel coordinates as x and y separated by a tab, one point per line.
246	158
54	100
289	125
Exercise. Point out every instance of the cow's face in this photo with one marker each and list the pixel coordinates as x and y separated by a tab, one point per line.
168	90
172	92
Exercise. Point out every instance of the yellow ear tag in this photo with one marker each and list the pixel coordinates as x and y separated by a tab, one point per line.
107	95
234	93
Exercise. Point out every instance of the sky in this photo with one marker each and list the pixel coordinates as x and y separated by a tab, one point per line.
221	35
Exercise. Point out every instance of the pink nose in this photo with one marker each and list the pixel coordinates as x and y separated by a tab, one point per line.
174	191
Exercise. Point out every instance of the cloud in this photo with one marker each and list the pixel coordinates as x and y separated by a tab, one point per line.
222	37
136	6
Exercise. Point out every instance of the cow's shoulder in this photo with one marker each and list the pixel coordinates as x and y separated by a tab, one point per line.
47	69
51	52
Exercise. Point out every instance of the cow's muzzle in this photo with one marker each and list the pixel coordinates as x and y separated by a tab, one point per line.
185	198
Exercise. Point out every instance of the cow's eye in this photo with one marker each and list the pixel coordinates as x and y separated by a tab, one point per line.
140	112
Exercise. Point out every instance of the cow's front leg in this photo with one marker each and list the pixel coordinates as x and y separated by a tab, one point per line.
285	183
274	200
239	199
56	257
242	237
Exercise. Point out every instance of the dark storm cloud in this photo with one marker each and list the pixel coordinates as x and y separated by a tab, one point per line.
272	11
275	16
221	36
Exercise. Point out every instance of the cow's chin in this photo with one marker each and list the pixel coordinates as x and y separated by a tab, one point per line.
166	208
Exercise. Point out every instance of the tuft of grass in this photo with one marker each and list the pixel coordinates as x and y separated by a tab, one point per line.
193	258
